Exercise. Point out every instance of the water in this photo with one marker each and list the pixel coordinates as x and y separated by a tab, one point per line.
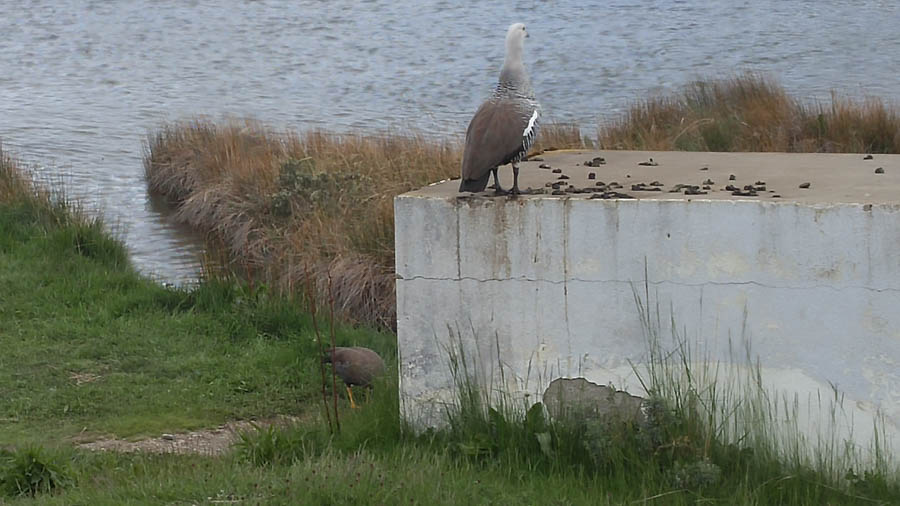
82	82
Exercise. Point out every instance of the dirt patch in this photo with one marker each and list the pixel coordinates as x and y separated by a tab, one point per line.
211	442
80	378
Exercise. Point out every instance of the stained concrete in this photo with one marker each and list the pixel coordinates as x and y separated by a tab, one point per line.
543	286
833	178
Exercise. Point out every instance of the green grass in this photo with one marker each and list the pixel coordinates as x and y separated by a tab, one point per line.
491	456
91	348
405	476
701	443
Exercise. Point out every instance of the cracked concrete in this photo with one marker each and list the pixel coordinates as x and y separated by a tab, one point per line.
542	286
657	283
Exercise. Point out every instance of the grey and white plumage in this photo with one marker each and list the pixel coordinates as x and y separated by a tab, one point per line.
505	126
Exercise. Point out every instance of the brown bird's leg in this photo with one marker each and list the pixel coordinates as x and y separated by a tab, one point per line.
497	189
515	188
350	394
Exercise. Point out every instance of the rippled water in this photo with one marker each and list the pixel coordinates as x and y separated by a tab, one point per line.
82	82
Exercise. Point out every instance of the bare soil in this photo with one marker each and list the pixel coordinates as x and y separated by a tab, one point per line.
210	442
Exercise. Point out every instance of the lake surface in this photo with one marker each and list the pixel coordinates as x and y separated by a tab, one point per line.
83	82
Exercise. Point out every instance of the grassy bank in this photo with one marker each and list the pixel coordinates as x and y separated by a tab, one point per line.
91	349
278	205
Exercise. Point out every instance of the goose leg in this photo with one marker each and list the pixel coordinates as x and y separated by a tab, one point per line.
350	394
497	189
515	188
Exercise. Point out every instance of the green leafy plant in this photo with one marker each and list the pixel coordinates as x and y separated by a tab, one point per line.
272	445
30	471
303	189
696	475
869	482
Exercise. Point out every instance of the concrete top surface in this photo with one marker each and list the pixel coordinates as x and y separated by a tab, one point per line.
773	177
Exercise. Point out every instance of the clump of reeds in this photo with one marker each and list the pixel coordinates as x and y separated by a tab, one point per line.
280	204
19	189
15	183
753	113
557	135
32	200
8	184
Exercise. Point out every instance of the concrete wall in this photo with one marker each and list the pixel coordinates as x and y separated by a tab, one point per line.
546	287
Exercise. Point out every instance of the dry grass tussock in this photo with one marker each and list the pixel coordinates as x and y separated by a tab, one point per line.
753	113
18	187
14	183
279	205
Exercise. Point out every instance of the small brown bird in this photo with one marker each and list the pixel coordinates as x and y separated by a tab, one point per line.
355	366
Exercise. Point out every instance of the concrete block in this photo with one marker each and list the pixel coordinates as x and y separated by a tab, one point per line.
544	287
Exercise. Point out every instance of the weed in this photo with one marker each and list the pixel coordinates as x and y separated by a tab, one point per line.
273	446
303	190
696	475
30	471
